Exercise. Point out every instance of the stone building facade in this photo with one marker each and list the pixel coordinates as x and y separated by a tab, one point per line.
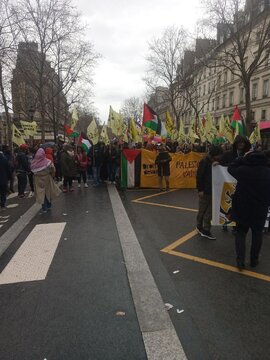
31	76
217	89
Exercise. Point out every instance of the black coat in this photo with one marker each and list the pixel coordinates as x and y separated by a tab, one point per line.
252	196
163	162
204	176
4	170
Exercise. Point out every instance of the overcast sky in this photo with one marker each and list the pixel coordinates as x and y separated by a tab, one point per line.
120	31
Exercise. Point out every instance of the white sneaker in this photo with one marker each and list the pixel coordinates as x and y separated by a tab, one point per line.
79	185
31	194
86	185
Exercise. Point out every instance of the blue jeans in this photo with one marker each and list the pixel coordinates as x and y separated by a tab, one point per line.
96	174
46	205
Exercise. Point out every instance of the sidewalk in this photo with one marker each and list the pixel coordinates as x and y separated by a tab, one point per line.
84	307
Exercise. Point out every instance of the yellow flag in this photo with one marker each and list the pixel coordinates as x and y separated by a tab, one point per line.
225	128
104	135
210	128
255	135
192	136
29	128
169	123
92	132
181	132
115	122
17	137
74	118
133	130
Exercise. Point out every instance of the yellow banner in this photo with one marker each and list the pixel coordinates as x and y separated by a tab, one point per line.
183	170
17	137
29	128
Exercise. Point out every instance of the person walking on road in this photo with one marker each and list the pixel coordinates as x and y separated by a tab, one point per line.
68	166
5	174
250	203
45	188
22	169
204	187
163	162
82	160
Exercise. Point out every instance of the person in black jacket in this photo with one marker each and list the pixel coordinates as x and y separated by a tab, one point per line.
4	178
240	146
204	187
163	162
22	169
250	203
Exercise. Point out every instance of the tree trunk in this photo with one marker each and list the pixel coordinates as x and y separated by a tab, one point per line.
9	130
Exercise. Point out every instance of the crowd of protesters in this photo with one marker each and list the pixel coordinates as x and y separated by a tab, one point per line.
44	166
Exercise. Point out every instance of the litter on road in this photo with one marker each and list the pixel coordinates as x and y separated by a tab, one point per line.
179	311
120	313
176	271
168	306
64	214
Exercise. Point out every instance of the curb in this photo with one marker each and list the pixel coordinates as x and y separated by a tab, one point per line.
159	335
14	231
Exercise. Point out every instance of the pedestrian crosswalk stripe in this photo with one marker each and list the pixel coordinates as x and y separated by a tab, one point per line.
33	259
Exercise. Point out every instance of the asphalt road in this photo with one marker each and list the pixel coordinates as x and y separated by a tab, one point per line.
82	307
226	313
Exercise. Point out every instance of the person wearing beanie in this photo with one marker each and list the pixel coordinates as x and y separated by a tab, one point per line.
250	203
204	187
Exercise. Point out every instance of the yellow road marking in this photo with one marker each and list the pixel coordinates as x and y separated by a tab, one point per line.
164	205
153	195
179	241
220	265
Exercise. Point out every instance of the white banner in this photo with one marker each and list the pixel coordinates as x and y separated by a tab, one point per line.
223	187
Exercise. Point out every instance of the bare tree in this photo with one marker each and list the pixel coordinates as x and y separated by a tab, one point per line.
8	37
132	109
164	57
243	40
63	59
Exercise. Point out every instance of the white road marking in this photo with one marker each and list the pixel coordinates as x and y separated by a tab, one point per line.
1	226
3	221
33	259
11	206
13	195
4	217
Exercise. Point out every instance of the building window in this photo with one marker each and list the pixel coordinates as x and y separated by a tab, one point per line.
209	88
253	115
231	98
263	117
200	91
265	88
213	104
254	91
219	81
225	77
204	89
267	62
224	101
217	104
242	93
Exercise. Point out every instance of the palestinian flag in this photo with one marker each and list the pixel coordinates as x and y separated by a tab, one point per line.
84	143
151	121
70	133
236	122
130	168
